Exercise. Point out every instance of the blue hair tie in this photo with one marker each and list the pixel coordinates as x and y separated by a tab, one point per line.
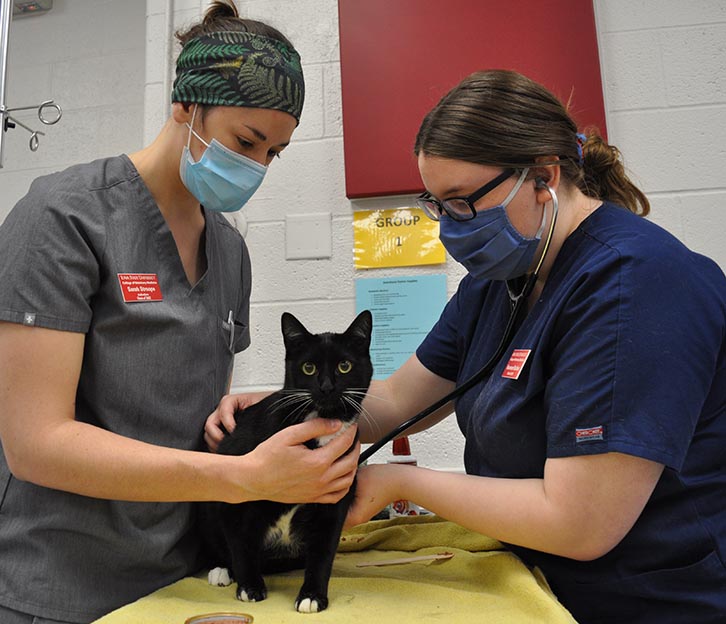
581	138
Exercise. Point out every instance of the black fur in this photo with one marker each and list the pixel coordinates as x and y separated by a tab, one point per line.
236	534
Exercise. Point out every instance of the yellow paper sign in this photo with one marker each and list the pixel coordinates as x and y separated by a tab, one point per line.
395	238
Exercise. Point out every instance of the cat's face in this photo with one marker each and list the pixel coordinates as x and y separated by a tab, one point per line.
332	370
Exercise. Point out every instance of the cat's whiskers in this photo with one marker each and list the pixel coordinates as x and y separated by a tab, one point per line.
364	414
292	392
291	398
366	394
345	401
305	402
287	402
350	397
300	410
346	398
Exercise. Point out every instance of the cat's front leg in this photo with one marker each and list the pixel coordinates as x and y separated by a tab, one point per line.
252	592
246	568
322	539
322	543
311	604
244	538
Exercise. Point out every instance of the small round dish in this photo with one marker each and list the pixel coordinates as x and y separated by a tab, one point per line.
221	618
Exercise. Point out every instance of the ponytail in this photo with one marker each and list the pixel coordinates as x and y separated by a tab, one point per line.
604	175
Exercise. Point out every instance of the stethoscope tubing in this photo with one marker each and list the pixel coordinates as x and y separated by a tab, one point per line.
459	390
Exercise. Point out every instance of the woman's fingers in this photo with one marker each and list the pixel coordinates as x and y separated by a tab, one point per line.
289	471
309	430
222	420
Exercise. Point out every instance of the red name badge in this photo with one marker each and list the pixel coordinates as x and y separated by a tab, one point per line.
139	287
516	363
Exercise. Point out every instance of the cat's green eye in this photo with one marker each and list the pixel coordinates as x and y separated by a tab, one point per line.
345	366
309	368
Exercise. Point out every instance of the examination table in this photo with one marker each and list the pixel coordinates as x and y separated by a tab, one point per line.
472	579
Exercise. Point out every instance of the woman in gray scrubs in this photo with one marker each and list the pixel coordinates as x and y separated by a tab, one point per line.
124	295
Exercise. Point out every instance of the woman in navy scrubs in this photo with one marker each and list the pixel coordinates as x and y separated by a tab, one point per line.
124	295
596	447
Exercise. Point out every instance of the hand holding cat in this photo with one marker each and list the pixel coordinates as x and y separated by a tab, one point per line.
283	469
221	420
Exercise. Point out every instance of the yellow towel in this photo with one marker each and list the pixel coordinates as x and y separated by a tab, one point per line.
481	582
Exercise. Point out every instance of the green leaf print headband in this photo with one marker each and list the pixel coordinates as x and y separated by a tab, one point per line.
231	68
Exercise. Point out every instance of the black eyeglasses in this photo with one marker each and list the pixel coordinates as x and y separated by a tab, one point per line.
459	208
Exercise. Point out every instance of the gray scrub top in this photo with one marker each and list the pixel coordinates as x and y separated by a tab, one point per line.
87	250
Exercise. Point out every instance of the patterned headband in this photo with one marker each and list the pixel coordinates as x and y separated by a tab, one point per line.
232	68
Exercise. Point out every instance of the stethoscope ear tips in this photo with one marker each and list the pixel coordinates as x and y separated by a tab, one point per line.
540	183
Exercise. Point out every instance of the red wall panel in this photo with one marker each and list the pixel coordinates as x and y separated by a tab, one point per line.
399	57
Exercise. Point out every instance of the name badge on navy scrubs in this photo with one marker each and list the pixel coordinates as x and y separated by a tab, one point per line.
516	363
139	287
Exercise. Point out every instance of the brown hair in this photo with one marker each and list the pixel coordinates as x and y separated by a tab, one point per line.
222	15
502	118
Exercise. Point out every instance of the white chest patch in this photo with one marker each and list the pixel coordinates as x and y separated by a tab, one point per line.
323	440
280	531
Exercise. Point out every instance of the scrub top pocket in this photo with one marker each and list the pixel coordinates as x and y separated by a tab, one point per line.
233	334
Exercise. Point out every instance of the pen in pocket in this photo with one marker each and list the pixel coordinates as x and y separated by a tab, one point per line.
230	322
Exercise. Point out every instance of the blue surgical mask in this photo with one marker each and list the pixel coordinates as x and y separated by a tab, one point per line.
221	179
488	245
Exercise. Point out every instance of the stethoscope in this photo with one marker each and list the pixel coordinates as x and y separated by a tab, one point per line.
517	302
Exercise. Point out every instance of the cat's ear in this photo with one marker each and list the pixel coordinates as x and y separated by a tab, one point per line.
292	329
361	327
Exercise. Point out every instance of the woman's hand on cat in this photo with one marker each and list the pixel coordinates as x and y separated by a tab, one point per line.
287	471
221	420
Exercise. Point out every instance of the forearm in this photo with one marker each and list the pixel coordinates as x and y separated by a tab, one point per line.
87	460
59	452
393	401
517	511
84	459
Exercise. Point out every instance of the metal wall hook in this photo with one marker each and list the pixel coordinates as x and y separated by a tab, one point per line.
11	122
50	104
49	112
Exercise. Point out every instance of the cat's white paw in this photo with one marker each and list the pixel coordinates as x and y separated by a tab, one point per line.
219	577
307	605
253	595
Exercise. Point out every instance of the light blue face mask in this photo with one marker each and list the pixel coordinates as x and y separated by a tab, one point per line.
221	179
488	245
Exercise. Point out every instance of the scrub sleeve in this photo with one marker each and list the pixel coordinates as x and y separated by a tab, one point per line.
624	352
87	250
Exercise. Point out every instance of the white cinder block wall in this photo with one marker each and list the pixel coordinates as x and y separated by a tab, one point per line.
88	56
664	70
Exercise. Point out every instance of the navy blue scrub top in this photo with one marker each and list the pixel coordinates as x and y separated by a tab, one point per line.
624	351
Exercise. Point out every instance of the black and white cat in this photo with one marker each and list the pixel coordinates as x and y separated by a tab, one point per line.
326	375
